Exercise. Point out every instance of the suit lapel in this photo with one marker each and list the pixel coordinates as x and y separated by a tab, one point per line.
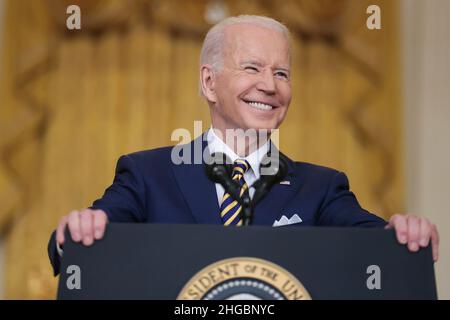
270	208
198	191
201	197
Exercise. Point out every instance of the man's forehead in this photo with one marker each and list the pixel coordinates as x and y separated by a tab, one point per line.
244	42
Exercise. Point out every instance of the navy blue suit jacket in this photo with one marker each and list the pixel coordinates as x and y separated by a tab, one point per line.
148	187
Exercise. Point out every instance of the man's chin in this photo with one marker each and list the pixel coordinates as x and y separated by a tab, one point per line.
262	125
263	121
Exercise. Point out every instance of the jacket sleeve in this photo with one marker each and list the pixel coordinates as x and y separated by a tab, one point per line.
53	255
124	200
340	207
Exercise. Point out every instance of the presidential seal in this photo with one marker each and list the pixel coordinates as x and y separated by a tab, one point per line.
243	278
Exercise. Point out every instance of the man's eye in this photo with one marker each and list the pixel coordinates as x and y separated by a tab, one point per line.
251	69
282	74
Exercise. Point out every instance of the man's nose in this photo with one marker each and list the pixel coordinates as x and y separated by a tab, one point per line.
267	83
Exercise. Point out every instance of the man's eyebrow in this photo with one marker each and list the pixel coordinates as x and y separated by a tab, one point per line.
254	62
283	69
259	64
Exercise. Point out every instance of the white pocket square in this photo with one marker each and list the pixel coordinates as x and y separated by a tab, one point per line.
284	221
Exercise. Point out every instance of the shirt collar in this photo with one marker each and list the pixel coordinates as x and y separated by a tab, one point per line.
215	144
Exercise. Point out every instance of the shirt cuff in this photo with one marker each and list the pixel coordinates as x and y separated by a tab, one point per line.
59	249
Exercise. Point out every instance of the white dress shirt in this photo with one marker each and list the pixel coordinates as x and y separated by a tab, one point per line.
215	144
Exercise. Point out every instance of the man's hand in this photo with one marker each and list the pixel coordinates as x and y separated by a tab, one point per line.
85	225
416	232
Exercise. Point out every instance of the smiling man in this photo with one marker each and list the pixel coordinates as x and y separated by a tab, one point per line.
245	73
245	78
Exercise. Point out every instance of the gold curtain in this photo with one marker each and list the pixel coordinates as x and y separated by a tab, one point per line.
72	102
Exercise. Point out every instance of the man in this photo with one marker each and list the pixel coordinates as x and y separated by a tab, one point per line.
245	78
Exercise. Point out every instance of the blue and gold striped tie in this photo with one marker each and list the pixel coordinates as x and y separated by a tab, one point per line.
230	209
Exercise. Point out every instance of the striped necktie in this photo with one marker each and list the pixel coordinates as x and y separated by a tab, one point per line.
230	209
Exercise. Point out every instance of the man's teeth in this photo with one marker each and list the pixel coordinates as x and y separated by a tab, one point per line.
261	106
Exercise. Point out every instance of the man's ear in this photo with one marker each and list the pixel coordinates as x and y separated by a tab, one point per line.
207	81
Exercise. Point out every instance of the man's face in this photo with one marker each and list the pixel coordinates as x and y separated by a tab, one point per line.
252	89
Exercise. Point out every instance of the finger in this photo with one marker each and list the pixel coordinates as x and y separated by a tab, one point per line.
392	221
399	222
413	233
100	220
74	225
60	230
86	223
425	232
435	242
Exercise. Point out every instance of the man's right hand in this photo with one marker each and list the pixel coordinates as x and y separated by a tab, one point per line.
85	225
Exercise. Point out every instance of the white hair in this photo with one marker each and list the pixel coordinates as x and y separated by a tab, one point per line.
212	49
213	45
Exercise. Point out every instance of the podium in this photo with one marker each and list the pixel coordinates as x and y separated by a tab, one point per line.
211	262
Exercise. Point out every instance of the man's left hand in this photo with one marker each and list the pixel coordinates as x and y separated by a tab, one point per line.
416	232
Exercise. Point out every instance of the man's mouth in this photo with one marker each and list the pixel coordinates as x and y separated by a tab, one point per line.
259	105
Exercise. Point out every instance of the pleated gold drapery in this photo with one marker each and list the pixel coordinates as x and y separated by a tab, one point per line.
72	102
